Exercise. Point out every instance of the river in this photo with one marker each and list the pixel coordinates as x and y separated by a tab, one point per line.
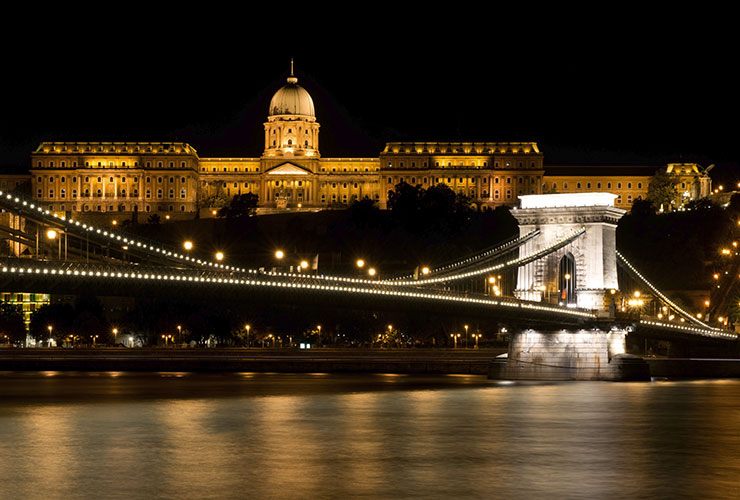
119	435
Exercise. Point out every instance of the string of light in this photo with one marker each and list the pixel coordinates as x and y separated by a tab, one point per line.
661	295
307	283
480	256
156	250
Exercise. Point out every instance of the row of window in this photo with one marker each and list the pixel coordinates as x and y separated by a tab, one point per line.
598	185
226	169
112	148
461	180
113	208
344	198
101	164
99	193
334	169
462	164
63	179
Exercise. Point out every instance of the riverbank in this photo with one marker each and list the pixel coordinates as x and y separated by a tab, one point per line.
318	360
408	361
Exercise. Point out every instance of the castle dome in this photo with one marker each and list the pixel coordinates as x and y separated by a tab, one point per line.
292	99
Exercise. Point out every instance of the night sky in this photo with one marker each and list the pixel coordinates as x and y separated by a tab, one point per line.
630	96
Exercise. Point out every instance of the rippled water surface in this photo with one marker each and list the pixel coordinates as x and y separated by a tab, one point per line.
130	436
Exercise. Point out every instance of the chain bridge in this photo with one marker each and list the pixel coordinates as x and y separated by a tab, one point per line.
568	297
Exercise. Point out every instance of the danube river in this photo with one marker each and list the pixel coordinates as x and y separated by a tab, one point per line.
178	436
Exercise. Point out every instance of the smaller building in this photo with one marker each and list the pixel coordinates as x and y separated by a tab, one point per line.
629	183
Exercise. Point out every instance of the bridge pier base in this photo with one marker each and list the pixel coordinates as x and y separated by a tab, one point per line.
569	355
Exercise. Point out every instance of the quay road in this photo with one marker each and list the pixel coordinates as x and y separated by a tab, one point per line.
286	360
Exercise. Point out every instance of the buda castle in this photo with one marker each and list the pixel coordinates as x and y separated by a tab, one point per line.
170	178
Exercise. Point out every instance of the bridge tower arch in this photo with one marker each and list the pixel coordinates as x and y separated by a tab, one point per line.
583	271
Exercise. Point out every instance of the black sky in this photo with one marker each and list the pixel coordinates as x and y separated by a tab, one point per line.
642	94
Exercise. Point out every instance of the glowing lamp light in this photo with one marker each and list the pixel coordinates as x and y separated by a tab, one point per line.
304	264
188	245
425	270
279	254
371	271
360	263
219	256
51	234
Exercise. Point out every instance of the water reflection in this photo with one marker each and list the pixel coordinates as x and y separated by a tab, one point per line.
126	435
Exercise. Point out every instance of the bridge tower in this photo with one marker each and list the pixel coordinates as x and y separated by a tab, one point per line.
584	271
581	274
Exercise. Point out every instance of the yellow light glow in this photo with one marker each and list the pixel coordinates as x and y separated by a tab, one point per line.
304	264
188	245
219	256
114	222
360	263
371	271
425	270
279	254
51	234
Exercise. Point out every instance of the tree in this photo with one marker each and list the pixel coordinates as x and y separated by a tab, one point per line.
242	205
700	204
90	321
11	324
642	207
662	191
153	219
59	316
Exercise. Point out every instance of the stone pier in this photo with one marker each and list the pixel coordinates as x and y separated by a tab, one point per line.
569	355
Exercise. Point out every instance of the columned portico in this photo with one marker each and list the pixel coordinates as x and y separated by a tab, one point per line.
288	183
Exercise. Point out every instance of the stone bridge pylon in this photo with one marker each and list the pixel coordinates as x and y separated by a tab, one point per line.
583	272
579	274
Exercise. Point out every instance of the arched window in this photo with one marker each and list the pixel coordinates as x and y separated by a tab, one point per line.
567	279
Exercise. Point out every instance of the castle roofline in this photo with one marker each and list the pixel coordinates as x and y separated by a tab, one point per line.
114	147
473	147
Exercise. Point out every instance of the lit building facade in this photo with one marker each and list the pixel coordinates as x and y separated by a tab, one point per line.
169	178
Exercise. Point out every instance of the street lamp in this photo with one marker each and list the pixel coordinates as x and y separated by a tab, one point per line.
247	328
476	336
50	328
425	270
455	336
115	336
219	256
371	271
188	245
319	329
360	263
94	338
304	264
179	334
279	254
466	336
